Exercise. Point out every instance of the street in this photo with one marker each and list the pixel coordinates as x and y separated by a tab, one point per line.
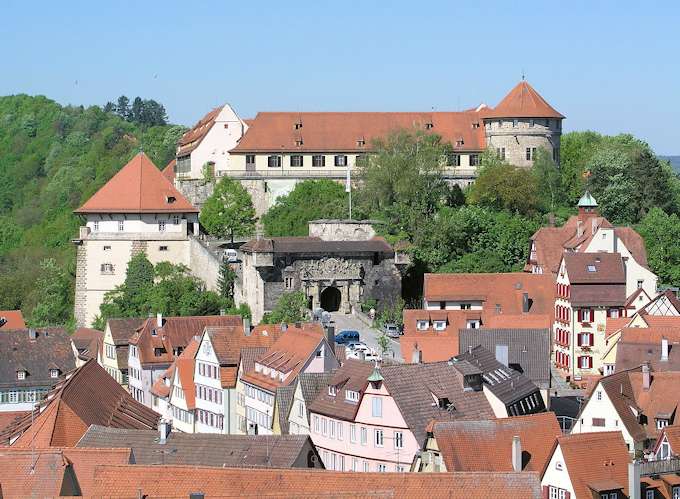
367	334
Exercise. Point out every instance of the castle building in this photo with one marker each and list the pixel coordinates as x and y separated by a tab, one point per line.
137	210
279	149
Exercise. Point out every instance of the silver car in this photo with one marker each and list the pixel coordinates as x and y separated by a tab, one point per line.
392	330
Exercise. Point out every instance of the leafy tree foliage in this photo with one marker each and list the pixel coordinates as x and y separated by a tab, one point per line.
54	291
660	233
547	180
291	307
229	211
225	282
146	112
309	200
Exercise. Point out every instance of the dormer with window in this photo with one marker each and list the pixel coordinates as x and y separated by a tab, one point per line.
352	396
332	390
54	373
439	325
429	125
422	325
21	374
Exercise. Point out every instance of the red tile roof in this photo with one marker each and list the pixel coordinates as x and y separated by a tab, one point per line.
180	481
184	367
88	342
591	458
523	102
11	319
139	187
88	395
169	170
492	441
607	268
192	138
673	436
354	132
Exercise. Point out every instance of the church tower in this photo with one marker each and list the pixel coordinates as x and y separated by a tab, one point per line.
521	124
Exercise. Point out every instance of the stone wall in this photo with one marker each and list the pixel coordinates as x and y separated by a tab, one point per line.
80	306
204	262
517	137
342	230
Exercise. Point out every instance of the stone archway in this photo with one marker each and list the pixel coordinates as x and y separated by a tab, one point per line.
331	298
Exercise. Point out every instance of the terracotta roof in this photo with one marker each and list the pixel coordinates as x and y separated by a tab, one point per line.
492	441
184	368
315	245
139	187
156	345
8	418
344	132
527	348
180	481
11	319
123	329
595	268
88	395
169	170
287	355
242	451
248	356
88	342
54	472
523	102
592	457
51	349
193	137
643	345
352	376
673	436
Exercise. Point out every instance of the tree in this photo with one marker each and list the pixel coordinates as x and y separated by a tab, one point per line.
229	211
309	200
137	110
291	308
123	107
660	233
548	182
225	282
383	343
109	107
53	306
502	186
401	182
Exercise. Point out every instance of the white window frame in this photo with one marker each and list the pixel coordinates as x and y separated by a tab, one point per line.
378	438
398	440
353	433
422	325
376	407
121	225
161	226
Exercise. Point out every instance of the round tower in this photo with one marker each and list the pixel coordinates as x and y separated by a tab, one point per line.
521	124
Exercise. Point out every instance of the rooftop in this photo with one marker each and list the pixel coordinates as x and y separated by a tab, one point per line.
191	139
639	345
523	101
315	245
11	319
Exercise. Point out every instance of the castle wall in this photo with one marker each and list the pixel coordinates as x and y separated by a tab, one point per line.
518	135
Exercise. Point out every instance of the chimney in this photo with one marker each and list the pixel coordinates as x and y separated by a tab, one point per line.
32	334
284	327
525	302
579	228
516	454
223	312
634	472
664	349
330	337
417	355
502	354
159	320
246	326
163	431
646	377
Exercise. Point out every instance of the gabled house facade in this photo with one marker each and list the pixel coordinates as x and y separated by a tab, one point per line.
115	347
307	388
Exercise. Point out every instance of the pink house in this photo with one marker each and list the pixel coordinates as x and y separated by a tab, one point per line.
373	419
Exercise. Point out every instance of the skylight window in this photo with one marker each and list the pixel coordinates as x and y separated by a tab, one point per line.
591	268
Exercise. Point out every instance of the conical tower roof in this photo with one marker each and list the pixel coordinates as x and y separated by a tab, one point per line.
587	201
139	187
523	102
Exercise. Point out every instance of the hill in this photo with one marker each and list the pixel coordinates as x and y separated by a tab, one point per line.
674	161
52	158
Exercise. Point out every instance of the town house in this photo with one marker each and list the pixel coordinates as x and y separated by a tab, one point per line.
590	288
157	343
372	419
116	342
87	344
306	389
302	348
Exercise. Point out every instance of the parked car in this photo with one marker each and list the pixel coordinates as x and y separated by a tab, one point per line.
346	336
231	255
392	330
372	356
358	346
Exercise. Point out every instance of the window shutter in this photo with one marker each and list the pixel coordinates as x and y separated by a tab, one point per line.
591	340
592	315
545	492
578	361
567	494
590	362
579	341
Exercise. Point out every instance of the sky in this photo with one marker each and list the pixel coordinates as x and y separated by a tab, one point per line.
608	66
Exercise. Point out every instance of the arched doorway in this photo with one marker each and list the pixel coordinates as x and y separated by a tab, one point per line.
330	299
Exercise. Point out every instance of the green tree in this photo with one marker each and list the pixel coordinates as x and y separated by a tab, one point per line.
291	308
229	211
576	149
53	306
384	343
548	181
123	107
225	281
660	233
309	200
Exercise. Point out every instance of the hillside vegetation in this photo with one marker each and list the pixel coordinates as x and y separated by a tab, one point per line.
52	158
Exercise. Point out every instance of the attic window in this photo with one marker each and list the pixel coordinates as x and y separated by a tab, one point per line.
498	308
591	268
158	352
154	332
54	373
298	124
332	390
460	142
475	125
443	402
429	125
170	199
439	325
298	141
21	374
351	395
422	325
361	142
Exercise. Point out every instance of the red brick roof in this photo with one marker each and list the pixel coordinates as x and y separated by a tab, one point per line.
346	132
492	441
88	395
184	368
523	102
180	481
192	138
139	187
169	170
595	268
673	436
13	319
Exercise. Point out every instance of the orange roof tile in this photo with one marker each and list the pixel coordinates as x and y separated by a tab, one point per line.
193	137
139	187
523	102
180	481
11	319
184	367
673	436
169	170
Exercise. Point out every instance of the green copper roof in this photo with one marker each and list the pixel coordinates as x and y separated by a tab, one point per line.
375	375
587	200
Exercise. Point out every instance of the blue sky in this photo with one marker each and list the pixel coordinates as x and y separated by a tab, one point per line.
608	66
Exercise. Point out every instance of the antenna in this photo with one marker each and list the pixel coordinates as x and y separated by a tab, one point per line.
523	74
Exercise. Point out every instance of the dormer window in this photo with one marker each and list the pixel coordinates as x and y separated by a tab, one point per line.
460	142
361	142
352	396
299	141
298	124
661	423
54	373
170	199
429	125
422	325
592	268
21	374
332	390
475	125
439	325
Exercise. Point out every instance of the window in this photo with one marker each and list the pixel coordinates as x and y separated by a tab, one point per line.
352	396
121	225
331	434
161	226
54	373
439	325
515	122
162	248
598	395
365	466
664	450
557	493
531	153
453	160
315	418
398	440
474	160
96	225
661	423
531	122
353	433
324	426
341	160
175	220
640	283
106	268
377	407
585	339
381	468
107	248
250	160
465	306
598	422
274	161
585	362
318	160
289	282
296	160
21	374
592	268
500	152
355	464
649	494
110	351
676	492
364	436
422	325
379	439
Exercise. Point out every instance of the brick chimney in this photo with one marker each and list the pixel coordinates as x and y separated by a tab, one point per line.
159	320
417	355
664	349
646	377
516	454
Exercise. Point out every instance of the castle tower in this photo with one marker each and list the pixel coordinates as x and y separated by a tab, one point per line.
521	124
